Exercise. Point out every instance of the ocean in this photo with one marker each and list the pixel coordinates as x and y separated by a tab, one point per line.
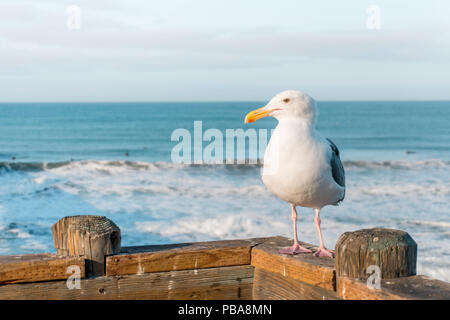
114	159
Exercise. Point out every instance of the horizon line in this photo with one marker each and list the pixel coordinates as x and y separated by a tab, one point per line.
226	101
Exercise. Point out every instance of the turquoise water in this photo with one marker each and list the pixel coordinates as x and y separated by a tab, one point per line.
114	159
64	131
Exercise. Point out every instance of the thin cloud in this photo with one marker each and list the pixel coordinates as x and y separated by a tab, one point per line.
35	42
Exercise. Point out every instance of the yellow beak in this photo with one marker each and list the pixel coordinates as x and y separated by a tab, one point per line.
254	115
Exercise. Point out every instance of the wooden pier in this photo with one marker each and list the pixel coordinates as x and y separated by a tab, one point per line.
91	264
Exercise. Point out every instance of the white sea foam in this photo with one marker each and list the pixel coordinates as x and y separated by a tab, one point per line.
39	180
444	225
434	272
118	166
34	245
19	234
222	227
406	189
398	164
165	202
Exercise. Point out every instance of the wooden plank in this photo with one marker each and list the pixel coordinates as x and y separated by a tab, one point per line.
307	268
185	256
273	286
37	267
404	288
215	283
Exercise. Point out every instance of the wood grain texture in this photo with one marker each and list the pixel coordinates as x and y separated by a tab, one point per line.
307	268
185	256
393	251
273	286
215	283
37	267
405	288
91	237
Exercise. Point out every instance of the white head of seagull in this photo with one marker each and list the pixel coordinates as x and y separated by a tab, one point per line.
287	104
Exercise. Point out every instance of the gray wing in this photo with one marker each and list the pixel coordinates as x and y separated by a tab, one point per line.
337	169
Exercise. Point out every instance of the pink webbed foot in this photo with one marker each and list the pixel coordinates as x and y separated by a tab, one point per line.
322	252
295	249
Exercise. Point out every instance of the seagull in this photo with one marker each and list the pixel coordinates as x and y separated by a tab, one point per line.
301	166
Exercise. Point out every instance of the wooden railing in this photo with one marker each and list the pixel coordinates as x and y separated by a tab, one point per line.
91	264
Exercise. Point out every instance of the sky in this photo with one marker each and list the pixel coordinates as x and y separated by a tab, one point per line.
203	50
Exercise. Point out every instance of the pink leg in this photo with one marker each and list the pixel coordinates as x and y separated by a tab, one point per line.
322	251
296	248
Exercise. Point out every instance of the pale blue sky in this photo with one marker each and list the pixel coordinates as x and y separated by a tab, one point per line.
223	50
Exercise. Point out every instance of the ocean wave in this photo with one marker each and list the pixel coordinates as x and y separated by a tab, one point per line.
196	189
107	165
405	189
99	166
397	164
443	225
31	166
121	190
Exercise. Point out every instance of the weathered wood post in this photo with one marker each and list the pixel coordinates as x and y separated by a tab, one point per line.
92	237
377	253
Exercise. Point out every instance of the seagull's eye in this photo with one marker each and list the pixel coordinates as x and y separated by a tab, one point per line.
286	100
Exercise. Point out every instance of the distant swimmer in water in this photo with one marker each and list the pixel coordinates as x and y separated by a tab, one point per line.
126	154
13	158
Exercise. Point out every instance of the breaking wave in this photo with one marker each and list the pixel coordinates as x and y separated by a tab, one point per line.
399	164
108	166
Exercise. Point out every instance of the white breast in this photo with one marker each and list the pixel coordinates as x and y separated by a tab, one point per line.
297	166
